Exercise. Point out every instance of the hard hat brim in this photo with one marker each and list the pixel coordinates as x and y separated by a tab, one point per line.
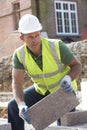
31	31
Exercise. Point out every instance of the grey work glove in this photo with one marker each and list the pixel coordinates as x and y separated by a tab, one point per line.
23	108
66	84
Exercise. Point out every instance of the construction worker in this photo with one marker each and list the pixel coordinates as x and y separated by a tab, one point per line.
49	63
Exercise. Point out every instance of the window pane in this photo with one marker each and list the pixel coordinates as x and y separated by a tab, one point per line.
66	22
17	6
59	22
73	22
65	6
58	6
72	7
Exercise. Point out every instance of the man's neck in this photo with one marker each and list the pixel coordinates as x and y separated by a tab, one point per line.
36	53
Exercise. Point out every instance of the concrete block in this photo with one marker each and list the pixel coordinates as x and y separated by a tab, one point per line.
74	118
62	128
6	126
51	108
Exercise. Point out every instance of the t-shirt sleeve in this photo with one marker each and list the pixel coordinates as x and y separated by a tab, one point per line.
16	63
66	54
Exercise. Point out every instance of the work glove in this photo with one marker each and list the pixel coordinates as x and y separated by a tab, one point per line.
66	84
23	108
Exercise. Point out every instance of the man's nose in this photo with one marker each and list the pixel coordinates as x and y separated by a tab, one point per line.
34	39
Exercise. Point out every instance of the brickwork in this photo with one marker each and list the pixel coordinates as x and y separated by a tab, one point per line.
48	17
83	13
84	32
7	20
10	44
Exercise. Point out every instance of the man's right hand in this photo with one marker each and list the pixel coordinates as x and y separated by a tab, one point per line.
23	108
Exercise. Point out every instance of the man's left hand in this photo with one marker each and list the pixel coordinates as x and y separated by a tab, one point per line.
66	84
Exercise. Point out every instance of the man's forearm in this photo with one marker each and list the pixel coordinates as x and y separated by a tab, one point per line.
75	71
18	92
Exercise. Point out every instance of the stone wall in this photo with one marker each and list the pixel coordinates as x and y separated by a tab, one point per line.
80	51
78	48
6	75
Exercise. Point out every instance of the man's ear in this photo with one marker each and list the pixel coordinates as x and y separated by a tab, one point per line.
22	38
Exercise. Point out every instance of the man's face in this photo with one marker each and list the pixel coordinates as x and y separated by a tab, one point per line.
33	40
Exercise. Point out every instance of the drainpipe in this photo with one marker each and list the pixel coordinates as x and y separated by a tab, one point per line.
38	9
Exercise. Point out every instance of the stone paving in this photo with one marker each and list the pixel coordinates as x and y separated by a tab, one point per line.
53	126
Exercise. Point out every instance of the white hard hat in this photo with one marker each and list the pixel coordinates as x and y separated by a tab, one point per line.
29	24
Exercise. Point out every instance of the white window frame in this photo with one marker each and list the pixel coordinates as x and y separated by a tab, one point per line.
69	12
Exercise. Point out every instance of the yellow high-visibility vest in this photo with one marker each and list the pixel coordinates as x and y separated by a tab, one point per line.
53	70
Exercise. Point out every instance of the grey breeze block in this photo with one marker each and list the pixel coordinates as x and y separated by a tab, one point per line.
6	126
61	128
51	108
74	118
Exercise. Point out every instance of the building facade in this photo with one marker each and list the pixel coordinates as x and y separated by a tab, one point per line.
65	19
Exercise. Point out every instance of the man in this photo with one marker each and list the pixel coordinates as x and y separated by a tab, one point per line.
49	63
